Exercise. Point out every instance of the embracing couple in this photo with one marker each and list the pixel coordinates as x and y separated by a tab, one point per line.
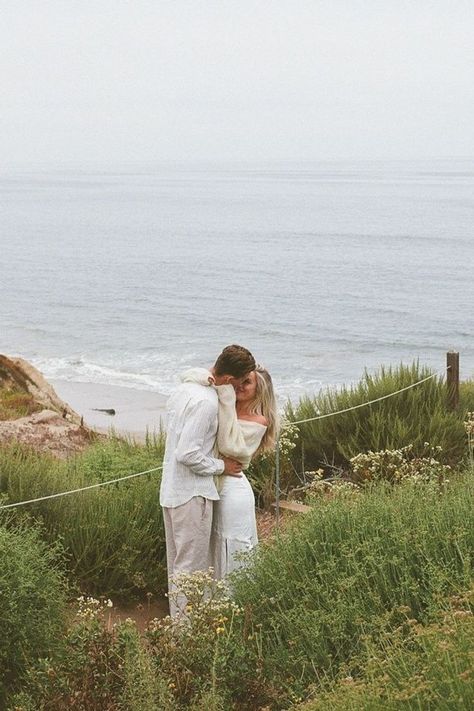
218	419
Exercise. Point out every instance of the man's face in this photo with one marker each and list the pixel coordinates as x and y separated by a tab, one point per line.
229	380
236	382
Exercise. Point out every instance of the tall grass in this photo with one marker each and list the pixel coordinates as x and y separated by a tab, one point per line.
415	416
416	667
113	536
348	570
15	404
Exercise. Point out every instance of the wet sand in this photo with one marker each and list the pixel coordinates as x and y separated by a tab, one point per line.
136	411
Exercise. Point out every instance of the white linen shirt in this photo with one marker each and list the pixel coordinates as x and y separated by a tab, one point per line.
188	465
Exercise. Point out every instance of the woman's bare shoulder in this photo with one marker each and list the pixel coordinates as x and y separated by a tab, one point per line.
260	419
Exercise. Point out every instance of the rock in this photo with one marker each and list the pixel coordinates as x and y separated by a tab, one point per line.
18	374
47	431
43	416
56	428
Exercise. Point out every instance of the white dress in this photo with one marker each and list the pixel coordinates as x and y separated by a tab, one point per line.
234	529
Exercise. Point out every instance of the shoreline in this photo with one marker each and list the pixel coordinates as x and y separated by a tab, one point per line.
136	411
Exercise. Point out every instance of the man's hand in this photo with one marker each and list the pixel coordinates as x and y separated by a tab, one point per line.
231	467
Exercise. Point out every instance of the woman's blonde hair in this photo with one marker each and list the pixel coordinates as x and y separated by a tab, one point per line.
265	404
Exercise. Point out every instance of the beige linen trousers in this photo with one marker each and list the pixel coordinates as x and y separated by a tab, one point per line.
188	539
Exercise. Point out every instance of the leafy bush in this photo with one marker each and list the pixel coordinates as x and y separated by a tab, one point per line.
400	465
198	663
344	571
113	535
99	668
391	466
32	601
412	417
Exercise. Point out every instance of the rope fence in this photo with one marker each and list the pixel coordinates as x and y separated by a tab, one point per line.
84	488
364	404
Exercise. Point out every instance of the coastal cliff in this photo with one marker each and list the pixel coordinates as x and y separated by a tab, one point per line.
31	412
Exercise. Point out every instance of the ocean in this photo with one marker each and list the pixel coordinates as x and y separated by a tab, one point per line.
127	276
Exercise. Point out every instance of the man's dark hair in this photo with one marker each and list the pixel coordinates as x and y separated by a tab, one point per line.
236	361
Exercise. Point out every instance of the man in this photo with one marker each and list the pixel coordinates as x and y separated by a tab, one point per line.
187	487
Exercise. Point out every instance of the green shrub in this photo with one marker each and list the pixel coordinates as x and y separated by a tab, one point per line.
469	427
113	535
344	571
209	657
466	396
261	472
414	417
103	667
144	689
100	667
357	581
415	667
390	466
32	601
400	465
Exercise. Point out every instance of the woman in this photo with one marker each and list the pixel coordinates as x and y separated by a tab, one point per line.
247	426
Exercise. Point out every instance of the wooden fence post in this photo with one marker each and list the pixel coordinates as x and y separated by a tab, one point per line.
452	379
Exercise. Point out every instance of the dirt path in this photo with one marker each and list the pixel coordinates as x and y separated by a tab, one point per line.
141	613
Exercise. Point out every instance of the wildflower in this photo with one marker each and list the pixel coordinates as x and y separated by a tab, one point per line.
444	646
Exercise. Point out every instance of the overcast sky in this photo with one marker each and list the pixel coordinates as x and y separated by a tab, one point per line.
253	80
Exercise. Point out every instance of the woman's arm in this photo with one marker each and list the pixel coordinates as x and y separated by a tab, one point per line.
230	439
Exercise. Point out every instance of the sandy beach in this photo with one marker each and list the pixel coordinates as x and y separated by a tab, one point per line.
136	411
